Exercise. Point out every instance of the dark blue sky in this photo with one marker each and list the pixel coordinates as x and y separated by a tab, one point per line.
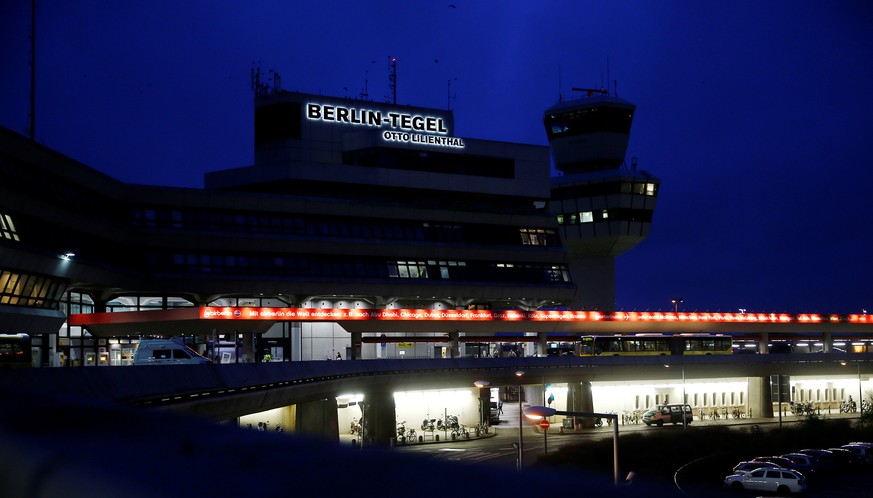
755	115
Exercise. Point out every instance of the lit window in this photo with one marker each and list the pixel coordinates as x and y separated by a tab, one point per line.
586	217
7	228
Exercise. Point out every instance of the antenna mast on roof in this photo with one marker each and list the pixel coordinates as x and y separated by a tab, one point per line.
392	78
270	85
451	97
32	128
591	91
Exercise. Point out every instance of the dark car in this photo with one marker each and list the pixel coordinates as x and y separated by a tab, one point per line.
823	460
844	457
803	462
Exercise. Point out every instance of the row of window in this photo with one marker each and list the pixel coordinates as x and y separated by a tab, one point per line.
21	289
648	188
314	266
7	228
603	119
311	226
432	162
614	214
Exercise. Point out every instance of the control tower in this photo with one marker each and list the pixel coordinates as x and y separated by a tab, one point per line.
603	206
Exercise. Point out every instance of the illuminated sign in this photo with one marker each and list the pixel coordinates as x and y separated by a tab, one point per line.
418	138
340	314
403	128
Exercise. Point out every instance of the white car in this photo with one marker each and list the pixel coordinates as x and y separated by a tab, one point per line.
781	481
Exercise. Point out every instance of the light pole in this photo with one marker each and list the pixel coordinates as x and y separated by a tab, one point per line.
539	412
676	301
520	460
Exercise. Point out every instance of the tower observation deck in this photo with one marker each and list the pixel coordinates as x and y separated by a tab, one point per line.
603	207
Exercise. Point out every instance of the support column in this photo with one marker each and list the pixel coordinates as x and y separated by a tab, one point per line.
318	418
485	406
378	418
580	399
760	399
248	352
763	339
827	341
357	340
542	344
454	347
295	334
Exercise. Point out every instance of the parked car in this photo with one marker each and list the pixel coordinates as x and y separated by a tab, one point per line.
780	461
803	463
672	414
863	453
750	465
781	481
844	457
823	460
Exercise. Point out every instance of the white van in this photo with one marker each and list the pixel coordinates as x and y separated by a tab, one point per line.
166	352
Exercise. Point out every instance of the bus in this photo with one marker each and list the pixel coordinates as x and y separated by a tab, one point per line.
656	344
15	351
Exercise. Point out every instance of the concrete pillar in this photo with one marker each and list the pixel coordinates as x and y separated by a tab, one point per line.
580	399
296	340
318	418
485	405
763	339
827	340
454	348
542	344
356	346
248	350
760	401
378	418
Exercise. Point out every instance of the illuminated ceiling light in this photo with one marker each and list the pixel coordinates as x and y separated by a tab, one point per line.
68	255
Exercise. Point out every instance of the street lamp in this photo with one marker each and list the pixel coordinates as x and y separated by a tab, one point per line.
544	411
676	301
520	460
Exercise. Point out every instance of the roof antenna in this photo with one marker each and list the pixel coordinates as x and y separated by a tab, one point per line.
365	95
32	128
451	97
392	78
607	73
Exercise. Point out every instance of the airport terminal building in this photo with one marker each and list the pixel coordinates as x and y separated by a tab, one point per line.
349	204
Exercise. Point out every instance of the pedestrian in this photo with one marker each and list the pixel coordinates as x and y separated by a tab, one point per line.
500	407
339	356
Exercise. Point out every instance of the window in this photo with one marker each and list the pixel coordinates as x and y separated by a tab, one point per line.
537	236
7	228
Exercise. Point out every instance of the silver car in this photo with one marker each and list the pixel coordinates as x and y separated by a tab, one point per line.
781	481
752	465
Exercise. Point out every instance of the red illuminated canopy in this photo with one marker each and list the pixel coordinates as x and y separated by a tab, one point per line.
345	314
